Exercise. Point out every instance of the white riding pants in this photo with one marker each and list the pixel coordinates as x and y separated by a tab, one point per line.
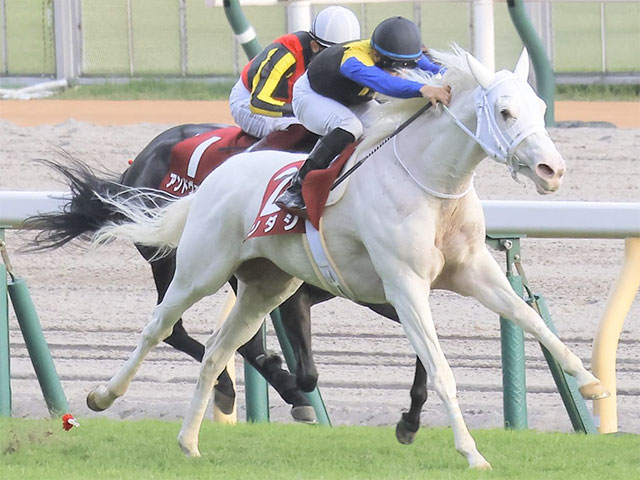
321	114
254	124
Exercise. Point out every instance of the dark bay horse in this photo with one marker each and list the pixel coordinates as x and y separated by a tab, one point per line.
85	215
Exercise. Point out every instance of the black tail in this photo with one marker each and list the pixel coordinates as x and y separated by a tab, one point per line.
84	214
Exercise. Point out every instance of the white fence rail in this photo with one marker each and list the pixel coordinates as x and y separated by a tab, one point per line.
530	219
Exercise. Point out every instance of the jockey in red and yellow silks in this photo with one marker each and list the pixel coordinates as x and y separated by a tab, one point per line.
270	75
260	101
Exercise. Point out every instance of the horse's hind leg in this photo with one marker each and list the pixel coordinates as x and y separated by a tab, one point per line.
262	288
163	270
193	279
483	279
165	315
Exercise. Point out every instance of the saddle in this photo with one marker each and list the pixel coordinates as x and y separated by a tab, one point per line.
271	220
196	157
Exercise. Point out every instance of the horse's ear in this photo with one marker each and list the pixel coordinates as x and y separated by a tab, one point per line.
482	74
522	67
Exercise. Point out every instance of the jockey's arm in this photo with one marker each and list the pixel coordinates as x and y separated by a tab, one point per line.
271	74
424	63
379	80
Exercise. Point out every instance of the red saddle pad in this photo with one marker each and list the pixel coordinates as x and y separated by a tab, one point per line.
315	187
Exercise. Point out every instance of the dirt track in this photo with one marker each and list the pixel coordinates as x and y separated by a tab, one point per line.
50	112
93	306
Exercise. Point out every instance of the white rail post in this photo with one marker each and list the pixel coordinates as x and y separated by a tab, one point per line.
298	16
184	46
605	344
67	38
483	38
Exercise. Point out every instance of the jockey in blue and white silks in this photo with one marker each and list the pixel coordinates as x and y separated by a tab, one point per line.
335	92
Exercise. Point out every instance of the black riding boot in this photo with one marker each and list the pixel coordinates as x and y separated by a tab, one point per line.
327	148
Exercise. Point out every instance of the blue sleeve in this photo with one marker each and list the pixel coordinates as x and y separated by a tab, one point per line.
428	66
378	80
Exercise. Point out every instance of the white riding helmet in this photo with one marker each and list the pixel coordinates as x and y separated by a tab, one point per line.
335	25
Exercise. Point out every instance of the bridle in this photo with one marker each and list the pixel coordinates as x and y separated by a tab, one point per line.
501	144
497	144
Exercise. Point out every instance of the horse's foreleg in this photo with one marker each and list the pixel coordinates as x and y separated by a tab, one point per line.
408	293
254	302
409	424
483	279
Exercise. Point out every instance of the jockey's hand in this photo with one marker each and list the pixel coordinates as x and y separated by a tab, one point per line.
436	94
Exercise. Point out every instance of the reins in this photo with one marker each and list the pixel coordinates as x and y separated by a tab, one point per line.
488	135
406	123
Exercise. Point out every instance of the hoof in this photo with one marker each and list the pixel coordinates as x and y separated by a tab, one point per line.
593	391
484	465
304	415
223	402
188	448
403	434
92	400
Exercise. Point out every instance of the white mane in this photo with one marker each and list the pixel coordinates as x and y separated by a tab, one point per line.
387	116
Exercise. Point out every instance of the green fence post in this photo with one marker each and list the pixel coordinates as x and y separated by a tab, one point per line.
256	388
545	81
514	382
256	391
314	397
5	357
37	347
244	32
575	405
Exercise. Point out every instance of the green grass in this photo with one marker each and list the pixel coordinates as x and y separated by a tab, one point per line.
150	90
619	93
107	449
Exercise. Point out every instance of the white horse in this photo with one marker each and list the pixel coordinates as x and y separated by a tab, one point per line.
410	221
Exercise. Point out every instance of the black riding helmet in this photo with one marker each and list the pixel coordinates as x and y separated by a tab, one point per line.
398	41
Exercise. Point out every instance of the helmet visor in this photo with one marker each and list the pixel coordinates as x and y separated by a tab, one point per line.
320	41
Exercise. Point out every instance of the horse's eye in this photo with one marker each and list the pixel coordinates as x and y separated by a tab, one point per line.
505	114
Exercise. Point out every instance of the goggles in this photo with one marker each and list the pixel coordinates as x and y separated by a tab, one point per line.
389	63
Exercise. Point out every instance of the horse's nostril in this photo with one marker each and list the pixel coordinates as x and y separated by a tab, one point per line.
545	171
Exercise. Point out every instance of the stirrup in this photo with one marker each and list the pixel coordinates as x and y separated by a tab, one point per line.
293	203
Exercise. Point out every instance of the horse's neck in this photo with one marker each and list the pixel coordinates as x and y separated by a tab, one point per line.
438	155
